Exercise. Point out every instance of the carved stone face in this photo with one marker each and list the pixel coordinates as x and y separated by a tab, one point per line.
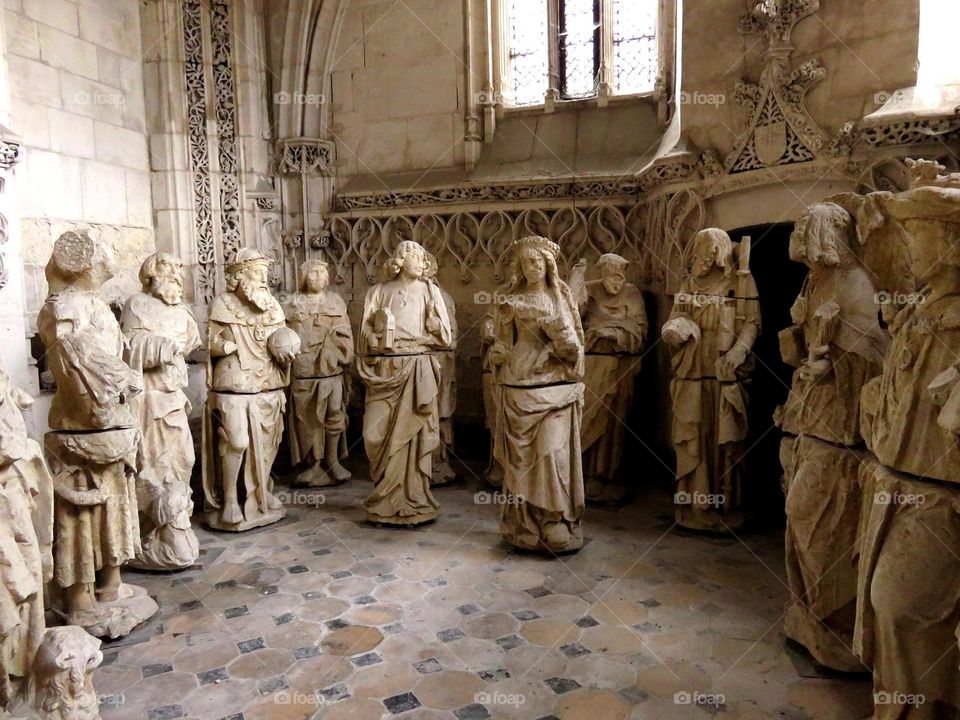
414	265
704	257
167	284
253	286
612	278
317	279
533	266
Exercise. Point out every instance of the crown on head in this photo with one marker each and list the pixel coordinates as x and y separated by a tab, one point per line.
244	257
538	243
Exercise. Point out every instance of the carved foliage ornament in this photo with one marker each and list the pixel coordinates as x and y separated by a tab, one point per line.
226	111
305	156
775	19
779	129
663	171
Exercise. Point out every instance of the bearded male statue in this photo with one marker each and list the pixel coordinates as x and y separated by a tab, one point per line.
251	349
161	332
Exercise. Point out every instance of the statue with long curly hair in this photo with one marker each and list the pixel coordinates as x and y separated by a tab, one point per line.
405	324
537	356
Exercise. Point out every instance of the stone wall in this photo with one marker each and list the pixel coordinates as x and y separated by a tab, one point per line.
76	86
397	86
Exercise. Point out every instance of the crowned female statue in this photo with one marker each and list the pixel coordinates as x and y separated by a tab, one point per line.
538	358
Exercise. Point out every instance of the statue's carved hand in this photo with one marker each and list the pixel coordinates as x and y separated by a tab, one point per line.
229	347
679	330
731	360
433	324
285	356
499	354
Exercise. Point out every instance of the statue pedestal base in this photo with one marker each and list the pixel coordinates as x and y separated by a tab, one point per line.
117	618
216	522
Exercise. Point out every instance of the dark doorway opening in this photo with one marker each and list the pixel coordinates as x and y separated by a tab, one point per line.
779	281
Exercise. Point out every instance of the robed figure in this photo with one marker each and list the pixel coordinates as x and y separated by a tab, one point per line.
404	324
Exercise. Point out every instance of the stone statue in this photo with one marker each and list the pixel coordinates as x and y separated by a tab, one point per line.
712	327
443	472
161	332
404	324
32	684
319	388
538	356
908	612
93	443
615	326
837	345
251	350
26	526
491	397
61	684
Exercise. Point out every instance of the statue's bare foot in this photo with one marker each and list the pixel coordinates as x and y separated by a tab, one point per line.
231	513
339	472
273	503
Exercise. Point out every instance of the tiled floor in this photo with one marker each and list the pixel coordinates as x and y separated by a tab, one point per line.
323	616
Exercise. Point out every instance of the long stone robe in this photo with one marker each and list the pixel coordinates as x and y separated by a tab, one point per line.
710	414
318	386
401	419
908	614
166	446
96	521
611	367
837	309
537	433
149	325
26	527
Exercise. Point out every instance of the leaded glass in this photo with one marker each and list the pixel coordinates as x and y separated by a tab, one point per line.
634	46
528	51
579	22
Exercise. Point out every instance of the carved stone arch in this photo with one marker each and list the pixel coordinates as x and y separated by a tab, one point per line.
309	37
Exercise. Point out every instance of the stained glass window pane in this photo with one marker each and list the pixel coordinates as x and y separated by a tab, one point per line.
634	46
578	37
528	51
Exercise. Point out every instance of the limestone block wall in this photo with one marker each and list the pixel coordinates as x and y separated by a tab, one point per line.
867	47
397	86
76	86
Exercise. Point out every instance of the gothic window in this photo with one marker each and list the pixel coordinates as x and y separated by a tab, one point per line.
573	49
